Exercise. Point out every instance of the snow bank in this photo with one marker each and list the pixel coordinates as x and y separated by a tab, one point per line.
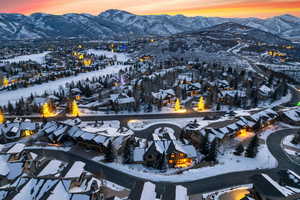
49	87
39	58
120	56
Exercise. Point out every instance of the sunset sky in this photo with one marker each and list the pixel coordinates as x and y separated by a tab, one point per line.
220	8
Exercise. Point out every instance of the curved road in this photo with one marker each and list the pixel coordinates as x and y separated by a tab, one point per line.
194	187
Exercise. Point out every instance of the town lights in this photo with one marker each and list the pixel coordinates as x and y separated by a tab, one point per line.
201	104
47	110
2	118
74	109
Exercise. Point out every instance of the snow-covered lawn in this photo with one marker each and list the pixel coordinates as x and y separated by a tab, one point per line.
180	122
282	100
39	58
120	56
51	86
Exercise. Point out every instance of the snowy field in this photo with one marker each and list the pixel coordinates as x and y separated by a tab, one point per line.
283	100
120	56
39	58
228	163
51	86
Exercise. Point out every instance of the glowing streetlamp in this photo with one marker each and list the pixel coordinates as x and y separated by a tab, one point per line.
201	104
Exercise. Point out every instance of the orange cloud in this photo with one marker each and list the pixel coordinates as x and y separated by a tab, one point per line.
220	8
251	9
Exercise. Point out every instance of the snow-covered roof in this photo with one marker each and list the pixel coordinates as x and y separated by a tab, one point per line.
138	154
52	168
4	170
283	190
59	192
76	170
148	192
293	114
265	90
163	94
17	148
181	193
126	100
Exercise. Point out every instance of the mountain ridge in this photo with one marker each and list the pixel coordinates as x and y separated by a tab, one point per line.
119	24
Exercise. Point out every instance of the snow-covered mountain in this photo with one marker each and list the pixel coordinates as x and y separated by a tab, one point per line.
121	24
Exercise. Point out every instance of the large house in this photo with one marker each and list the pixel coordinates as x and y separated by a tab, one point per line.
164	150
225	130
266	188
291	116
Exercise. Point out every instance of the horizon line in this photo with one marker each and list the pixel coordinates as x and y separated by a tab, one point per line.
145	14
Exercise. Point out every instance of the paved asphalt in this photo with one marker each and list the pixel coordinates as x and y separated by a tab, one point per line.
194	187
213	114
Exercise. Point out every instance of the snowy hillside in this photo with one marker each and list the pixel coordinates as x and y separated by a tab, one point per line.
119	24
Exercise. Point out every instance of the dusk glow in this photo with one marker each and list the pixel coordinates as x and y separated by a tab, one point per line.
220	8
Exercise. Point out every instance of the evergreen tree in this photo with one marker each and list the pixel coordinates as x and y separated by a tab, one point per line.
204	145
296	139
127	154
109	153
218	107
163	162
212	154
252	148
239	150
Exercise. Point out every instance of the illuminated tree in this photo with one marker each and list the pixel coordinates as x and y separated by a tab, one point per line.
2	118
87	62
177	105
47	110
201	104
5	82
74	109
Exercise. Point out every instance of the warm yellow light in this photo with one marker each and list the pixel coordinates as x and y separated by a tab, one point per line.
243	133
77	97
201	104
80	56
74	109
2	118
27	133
87	62
5	82
177	105
183	162
47	111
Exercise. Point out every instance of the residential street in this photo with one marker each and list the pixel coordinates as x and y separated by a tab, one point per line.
194	187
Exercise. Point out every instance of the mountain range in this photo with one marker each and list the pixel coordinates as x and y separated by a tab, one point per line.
117	24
